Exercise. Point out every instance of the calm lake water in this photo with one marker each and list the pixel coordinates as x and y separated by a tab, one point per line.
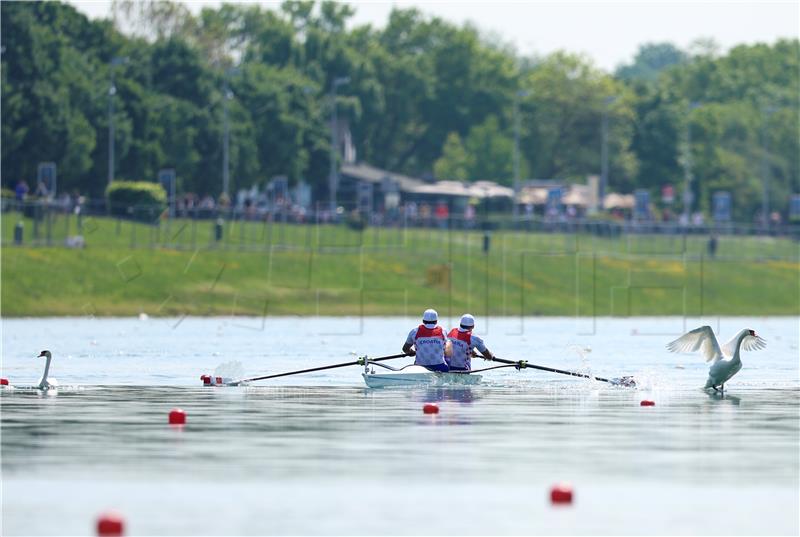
322	454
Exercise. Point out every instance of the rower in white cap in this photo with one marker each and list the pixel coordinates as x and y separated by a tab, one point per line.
430	345
464	344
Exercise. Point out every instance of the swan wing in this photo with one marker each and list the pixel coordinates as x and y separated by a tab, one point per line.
702	339
753	343
730	347
749	343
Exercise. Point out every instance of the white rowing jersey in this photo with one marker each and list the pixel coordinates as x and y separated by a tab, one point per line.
429	344
463	344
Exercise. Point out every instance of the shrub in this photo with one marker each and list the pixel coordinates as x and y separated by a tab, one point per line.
140	200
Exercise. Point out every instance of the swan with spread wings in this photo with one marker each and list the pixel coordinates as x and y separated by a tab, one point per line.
725	361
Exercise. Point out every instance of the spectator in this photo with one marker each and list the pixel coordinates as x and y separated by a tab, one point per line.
411	212
442	214
425	213
469	215
712	246
41	190
21	191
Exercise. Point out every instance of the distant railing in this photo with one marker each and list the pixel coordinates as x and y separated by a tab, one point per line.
90	223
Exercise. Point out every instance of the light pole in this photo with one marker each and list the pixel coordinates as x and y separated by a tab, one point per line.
227	95
765	173
688	196
520	94
333	178
601	191
112	90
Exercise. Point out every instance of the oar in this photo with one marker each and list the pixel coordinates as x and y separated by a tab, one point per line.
523	364
360	361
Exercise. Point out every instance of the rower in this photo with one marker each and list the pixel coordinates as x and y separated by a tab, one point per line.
429	343
464	344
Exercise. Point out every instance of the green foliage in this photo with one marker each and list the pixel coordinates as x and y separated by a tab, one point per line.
454	164
424	96
651	59
138	199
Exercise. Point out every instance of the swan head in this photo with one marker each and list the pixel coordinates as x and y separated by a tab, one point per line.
45	354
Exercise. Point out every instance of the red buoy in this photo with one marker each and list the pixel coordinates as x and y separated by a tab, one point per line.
206	380
561	493
647	402
430	408
110	524
3	382
177	417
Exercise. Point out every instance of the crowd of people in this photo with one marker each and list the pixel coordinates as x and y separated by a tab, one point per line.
442	214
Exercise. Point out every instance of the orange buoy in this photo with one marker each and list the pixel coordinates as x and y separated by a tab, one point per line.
430	408
177	417
110	524
647	402
561	493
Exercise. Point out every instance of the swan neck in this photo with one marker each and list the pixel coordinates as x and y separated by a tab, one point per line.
739	344
46	368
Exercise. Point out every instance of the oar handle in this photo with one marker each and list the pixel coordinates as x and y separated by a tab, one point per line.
360	361
522	364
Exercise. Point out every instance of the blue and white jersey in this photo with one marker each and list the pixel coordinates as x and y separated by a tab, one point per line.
463	344
429	345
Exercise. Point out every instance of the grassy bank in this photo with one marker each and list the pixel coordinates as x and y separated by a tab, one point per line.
523	274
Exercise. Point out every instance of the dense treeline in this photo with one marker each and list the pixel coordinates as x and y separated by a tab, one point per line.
424	97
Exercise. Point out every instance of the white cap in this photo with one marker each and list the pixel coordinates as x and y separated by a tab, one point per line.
467	321
430	317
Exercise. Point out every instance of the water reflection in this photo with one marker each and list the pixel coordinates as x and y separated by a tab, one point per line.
723	396
458	394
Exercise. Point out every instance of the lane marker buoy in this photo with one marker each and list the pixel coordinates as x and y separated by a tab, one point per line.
177	417
110	524
561	493
430	408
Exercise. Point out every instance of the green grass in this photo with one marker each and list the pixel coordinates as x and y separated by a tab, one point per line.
330	270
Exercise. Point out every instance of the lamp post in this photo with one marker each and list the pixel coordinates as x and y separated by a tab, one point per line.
112	90
688	196
333	178
601	191
765	173
520	94
227	95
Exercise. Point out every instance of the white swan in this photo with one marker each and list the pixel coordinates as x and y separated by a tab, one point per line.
725	361
47	383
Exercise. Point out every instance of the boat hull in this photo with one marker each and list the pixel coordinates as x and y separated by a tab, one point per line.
417	376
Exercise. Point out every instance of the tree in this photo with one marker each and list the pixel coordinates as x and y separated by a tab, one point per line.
650	60
454	164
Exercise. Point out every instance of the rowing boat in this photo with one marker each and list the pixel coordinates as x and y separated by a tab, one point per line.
414	375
